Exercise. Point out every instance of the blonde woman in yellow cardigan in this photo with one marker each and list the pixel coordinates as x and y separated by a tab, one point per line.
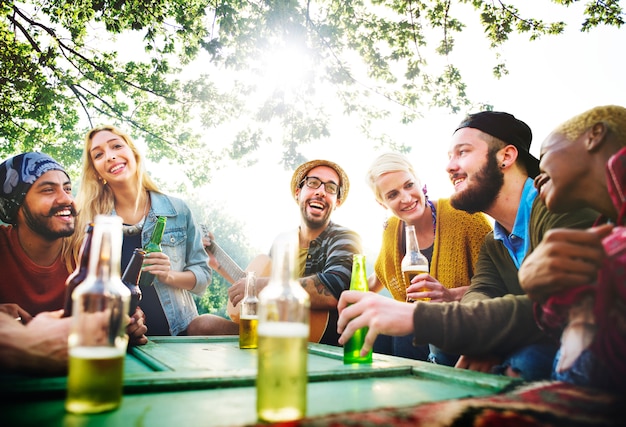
450	239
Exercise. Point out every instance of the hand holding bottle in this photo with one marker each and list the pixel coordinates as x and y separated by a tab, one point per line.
425	287
137	328
413	263
156	263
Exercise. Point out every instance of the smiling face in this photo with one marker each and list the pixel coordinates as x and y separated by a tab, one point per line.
48	208
112	157
400	192
564	165
474	171
316	204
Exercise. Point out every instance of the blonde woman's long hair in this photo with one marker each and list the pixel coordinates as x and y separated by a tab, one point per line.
94	196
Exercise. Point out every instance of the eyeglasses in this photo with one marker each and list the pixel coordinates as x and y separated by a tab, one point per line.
315	183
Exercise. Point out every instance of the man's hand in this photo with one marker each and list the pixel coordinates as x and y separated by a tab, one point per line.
38	347
565	258
238	290
478	363
137	328
382	315
16	312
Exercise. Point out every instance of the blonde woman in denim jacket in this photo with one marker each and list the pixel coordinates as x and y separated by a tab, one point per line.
114	181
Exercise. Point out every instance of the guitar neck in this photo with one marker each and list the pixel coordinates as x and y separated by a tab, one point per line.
227	264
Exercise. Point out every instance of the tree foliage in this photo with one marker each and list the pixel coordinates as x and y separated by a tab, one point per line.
232	238
66	65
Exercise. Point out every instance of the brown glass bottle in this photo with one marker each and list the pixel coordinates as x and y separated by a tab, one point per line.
79	274
130	278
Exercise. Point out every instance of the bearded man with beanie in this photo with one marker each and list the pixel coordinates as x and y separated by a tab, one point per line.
37	205
493	326
36	200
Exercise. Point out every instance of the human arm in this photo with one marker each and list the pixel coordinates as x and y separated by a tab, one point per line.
137	328
158	263
207	241
564	259
183	262
479	363
382	315
16	312
491	326
374	284
328	267
38	347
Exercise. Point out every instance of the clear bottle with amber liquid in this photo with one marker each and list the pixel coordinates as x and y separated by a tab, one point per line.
248	315
283	331
97	342
358	282
414	262
153	245
80	273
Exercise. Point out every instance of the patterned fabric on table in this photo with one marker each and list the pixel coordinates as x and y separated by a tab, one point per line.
538	404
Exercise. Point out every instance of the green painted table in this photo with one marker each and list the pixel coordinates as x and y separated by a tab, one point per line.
209	381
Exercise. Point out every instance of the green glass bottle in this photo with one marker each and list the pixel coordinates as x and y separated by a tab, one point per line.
358	282
153	245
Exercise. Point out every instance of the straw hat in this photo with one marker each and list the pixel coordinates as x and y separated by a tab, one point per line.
303	170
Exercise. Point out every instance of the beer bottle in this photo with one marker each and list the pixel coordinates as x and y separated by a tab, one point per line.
79	274
249	319
414	262
153	245
283	333
130	278
98	340
358	282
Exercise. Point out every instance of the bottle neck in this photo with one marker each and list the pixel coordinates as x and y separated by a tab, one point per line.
85	249
411	240
154	245
358	279
105	253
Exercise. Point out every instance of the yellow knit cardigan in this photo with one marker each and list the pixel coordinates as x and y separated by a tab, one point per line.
458	238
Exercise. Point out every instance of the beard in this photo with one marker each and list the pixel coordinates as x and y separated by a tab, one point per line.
482	193
314	223
39	223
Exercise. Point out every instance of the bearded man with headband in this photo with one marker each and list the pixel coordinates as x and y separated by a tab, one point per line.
37	205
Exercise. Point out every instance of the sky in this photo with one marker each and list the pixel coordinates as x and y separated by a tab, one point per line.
549	81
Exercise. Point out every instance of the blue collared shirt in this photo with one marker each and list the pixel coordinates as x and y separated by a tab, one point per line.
518	241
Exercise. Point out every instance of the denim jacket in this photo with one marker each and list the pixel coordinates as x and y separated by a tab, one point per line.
182	243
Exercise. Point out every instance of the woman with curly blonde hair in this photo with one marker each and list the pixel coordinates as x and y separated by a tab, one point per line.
114	181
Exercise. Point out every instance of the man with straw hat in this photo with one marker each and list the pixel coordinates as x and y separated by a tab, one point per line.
325	250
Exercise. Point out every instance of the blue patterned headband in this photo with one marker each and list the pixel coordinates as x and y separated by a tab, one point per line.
17	175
